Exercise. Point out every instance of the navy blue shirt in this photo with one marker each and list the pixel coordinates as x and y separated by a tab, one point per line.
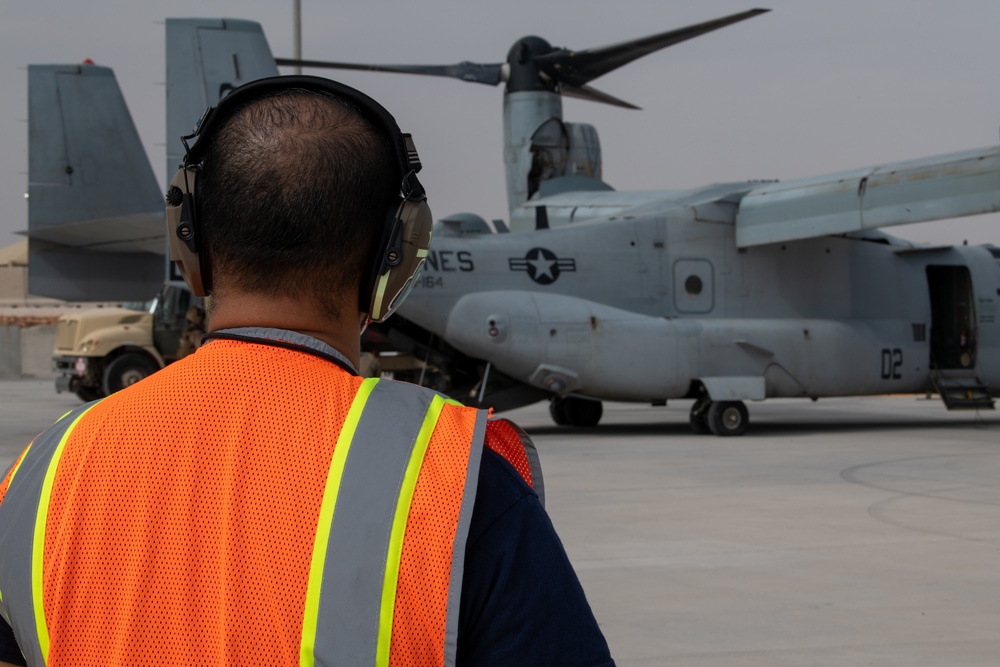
522	603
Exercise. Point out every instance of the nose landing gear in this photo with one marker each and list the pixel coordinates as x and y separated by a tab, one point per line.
722	418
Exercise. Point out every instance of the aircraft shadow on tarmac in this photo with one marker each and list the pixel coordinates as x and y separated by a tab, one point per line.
759	429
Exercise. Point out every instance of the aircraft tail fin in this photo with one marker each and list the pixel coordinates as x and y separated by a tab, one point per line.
95	212
206	58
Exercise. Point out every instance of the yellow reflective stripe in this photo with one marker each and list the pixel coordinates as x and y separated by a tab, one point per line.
399	529
333	477
38	539
380	294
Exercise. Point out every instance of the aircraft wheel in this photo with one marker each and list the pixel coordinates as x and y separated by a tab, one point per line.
728	418
576	411
557	410
126	370
699	418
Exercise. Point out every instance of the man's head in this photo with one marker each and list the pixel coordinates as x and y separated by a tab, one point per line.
294	191
298	187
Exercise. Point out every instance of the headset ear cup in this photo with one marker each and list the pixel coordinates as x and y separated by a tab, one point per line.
400	259
182	231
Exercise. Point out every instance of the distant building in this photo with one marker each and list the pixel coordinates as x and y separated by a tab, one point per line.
27	323
14	273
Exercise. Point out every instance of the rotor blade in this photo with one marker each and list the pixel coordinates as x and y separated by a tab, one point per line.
466	71
593	95
579	67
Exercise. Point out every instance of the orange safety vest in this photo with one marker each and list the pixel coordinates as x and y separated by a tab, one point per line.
250	504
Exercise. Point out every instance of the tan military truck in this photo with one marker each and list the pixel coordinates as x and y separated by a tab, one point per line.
102	350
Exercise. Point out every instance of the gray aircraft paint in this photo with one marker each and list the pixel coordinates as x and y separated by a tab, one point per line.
815	317
94	209
527	116
95	217
205	59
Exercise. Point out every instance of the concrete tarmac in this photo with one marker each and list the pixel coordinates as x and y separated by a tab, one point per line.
843	532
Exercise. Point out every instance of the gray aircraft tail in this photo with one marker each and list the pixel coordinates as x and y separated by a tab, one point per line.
95	211
206	58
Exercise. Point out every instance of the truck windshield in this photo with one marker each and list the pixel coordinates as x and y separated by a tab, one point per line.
143	306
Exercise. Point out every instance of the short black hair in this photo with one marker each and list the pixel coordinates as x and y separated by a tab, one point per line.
293	195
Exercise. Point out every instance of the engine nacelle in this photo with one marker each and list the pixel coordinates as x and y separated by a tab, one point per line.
563	344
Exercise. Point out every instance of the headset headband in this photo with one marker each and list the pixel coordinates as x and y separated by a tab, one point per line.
402	144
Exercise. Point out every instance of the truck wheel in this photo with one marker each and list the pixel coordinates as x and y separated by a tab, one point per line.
126	370
728	418
88	394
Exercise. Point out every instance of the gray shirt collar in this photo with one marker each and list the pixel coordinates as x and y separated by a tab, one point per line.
275	335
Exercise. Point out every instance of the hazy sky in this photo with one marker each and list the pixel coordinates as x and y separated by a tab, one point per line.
810	88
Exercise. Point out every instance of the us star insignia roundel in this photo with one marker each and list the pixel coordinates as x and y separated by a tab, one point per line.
542	265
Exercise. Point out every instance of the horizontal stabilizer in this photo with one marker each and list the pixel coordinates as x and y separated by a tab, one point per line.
90	185
140	232
206	58
63	272
933	188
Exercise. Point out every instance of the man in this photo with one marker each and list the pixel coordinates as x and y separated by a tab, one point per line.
259	503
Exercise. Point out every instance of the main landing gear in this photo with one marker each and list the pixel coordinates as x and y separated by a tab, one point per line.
574	411
723	418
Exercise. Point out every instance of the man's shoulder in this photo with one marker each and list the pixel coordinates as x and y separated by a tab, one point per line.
427	392
502	477
500	489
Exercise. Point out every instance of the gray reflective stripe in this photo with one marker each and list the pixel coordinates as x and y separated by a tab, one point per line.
18	514
461	538
353	573
537	481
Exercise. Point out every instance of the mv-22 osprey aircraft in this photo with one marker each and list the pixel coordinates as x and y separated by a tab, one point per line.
724	294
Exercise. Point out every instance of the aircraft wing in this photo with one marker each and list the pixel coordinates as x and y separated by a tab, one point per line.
95	211
933	188
206	58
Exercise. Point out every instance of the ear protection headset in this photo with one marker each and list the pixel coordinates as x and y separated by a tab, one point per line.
406	228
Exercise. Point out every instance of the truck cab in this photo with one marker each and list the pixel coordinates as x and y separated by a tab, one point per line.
102	350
